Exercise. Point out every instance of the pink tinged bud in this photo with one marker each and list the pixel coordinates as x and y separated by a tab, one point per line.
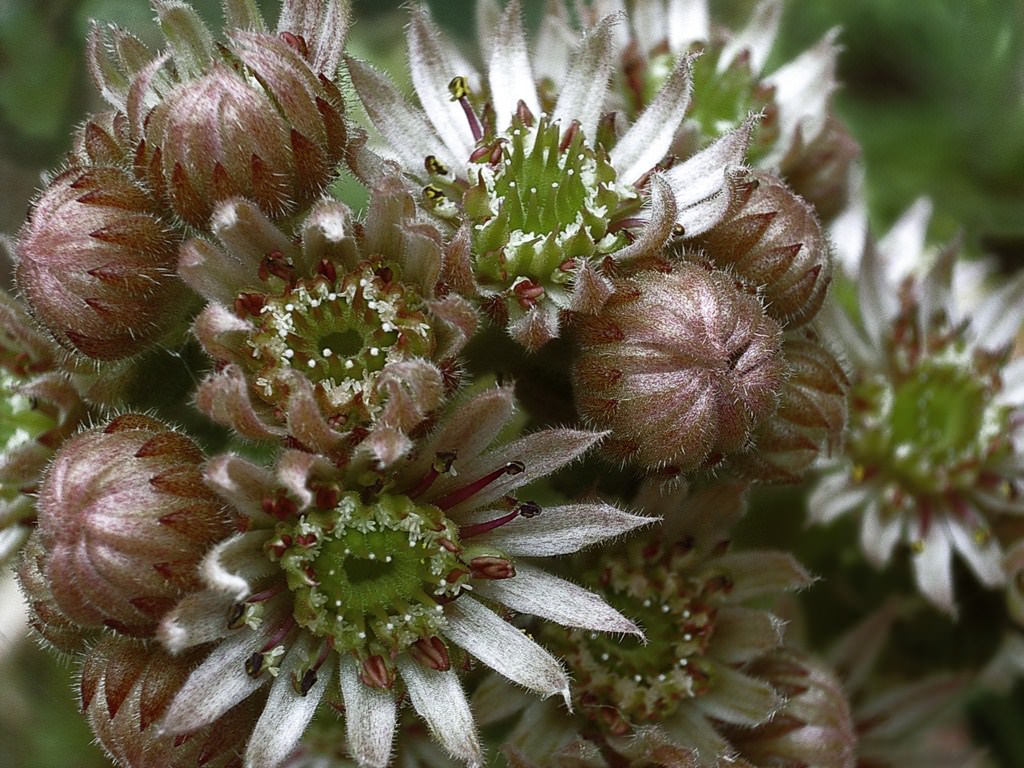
126	687
814	727
103	140
809	420
820	173
124	519
97	264
680	366
775	243
273	133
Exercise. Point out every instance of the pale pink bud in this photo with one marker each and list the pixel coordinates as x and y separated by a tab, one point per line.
774	242
124	518
820	173
680	366
814	727
96	264
126	687
266	127
810	417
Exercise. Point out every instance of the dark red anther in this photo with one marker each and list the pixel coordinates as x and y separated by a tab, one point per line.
431	652
280	506
524	114
450	545
304	684
529	509
527	293
296	42
327	496
254	664
376	673
570	134
482	152
274	264
467	491
327	270
489	567
441	465
455	574
306	539
568	265
235	616
496	152
249	304
280	546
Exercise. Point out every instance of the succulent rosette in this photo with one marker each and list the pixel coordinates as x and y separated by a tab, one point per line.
334	341
39	409
259	115
381	582
932	455
544	187
800	137
671	700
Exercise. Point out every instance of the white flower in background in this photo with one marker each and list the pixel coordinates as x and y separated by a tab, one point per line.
541	184
390	579
933	454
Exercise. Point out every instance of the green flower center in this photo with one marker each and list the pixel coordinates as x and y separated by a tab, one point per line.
624	682
371	576
340	336
932	431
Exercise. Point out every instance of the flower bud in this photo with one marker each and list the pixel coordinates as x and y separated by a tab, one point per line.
814	727
811	415
125	688
97	264
820	174
774	242
262	125
124	518
44	616
680	366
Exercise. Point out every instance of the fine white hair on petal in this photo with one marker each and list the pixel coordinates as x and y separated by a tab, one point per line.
197	618
563	530
650	137
287	713
439	699
241	483
688	22
901	248
535	591
370	717
933	568
216	685
586	85
756	38
878	533
997	320
235	564
879	303
432	67
509	72
984	557
504	648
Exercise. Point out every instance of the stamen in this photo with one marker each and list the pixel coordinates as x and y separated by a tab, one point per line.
376	673
460	495
459	90
431	652
441	465
527	509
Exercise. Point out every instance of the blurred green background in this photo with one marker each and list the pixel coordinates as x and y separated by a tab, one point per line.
933	90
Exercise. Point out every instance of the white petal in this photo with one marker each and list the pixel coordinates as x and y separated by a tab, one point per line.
879	534
985	558
286	713
997	320
535	591
541	454
933	568
439	700
833	496
216	685
504	648
407	130
197	618
688	22
555	42
370	716
879	299
660	212
242	484
1012	392
738	698
757	37
701	176
432	67
903	246
562	530
236	564
584	89
650	137
509	73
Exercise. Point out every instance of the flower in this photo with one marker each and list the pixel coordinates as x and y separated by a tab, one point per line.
388	578
799	137
932	454
335	342
541	187
259	116
669	700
